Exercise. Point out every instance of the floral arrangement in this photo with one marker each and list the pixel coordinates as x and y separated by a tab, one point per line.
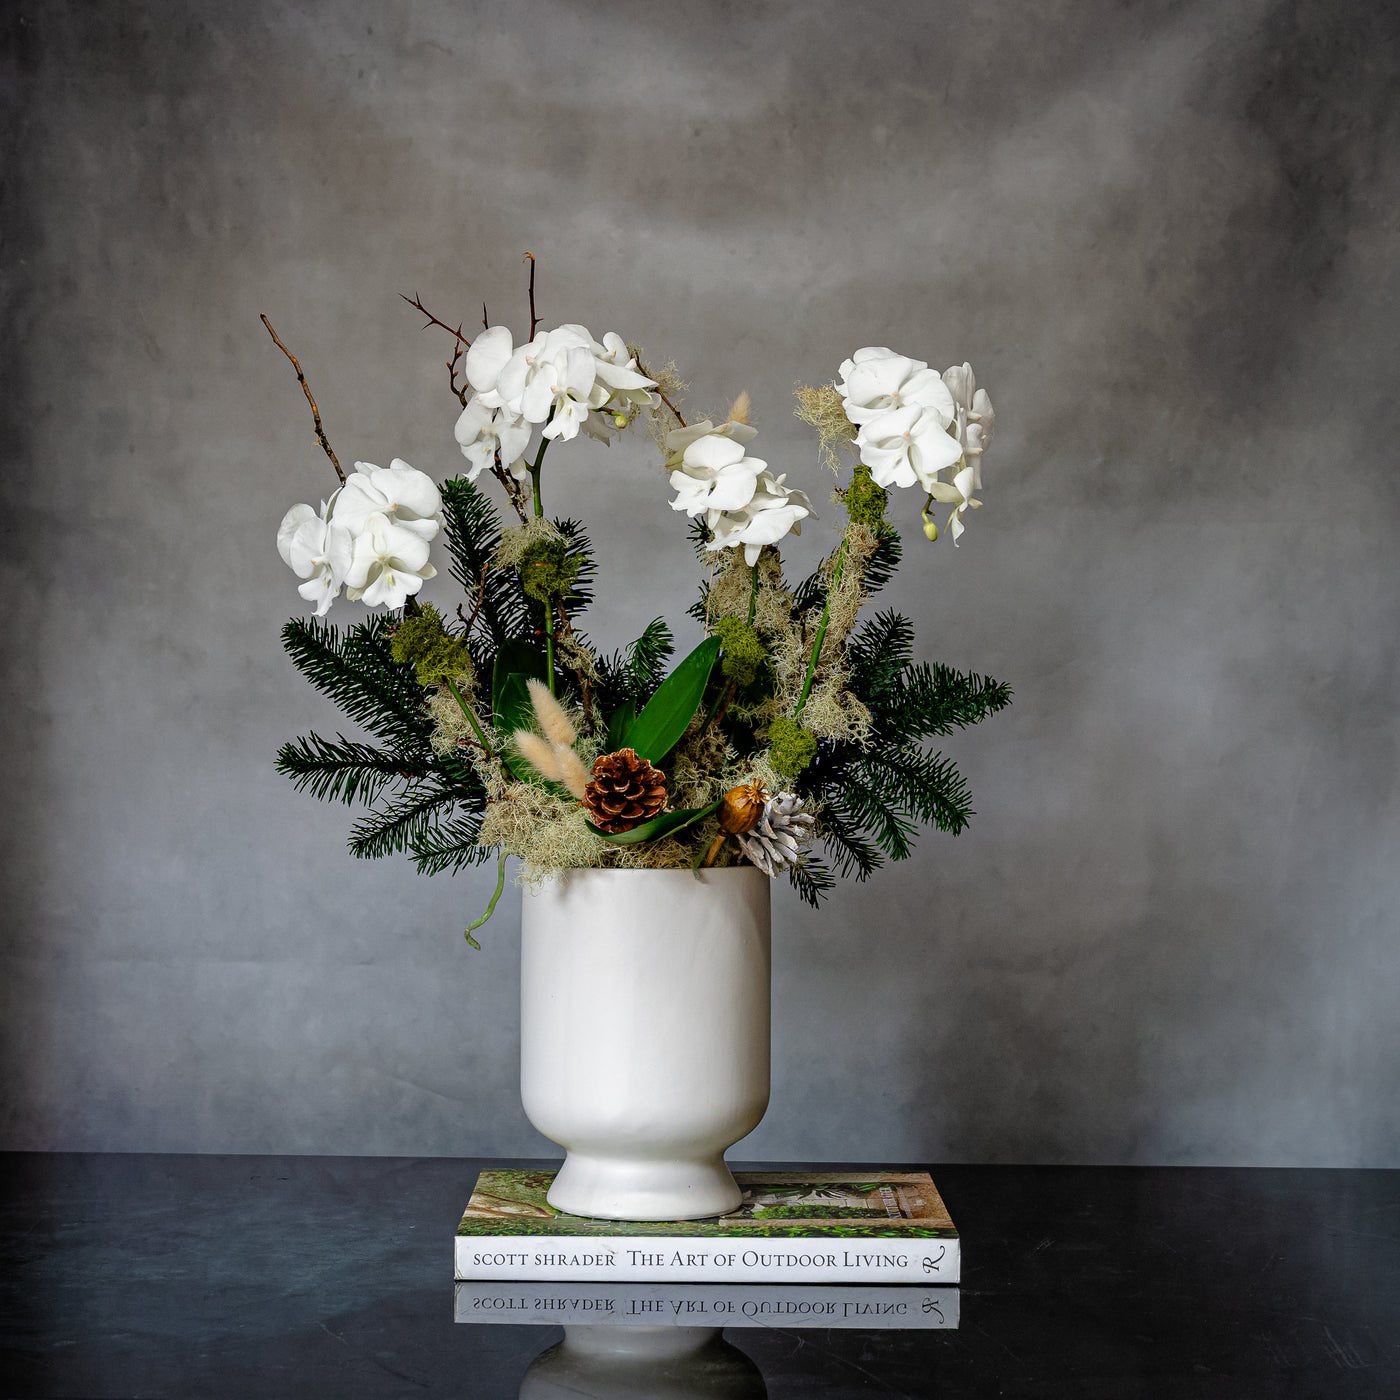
502	728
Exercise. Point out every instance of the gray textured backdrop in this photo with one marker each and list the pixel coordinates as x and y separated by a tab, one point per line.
1165	235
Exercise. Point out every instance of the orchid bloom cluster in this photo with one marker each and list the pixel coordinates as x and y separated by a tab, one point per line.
913	424
743	503
563	379
371	538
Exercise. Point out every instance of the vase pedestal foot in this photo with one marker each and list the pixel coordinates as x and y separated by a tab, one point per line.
611	1188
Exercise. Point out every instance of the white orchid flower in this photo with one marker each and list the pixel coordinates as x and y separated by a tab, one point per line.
551	376
908	445
617	372
875	380
410	498
772	512
481	431
975	419
679	439
715	475
317	550
390	562
958	494
487	356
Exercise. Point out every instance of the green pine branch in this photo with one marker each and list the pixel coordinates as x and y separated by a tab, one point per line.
449	845
925	784
356	670
472	533
395	827
342	770
812	880
926	699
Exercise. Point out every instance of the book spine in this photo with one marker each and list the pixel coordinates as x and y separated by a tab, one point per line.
653	1259
705	1305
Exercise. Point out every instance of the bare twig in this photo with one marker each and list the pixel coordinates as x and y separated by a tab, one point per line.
485	324
515	492
642	369
585	687
416	302
469	622
306	389
534	320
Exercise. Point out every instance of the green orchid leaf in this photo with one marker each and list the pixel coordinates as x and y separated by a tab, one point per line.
656	731
512	707
622	720
667	824
514	659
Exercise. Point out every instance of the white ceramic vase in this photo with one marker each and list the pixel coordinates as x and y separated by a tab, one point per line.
644	1034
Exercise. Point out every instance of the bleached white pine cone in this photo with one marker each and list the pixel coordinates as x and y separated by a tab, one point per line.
780	839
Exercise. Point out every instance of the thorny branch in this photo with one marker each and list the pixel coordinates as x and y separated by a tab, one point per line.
306	389
534	320
452	375
416	302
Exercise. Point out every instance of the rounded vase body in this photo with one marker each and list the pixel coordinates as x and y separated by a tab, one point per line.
644	1034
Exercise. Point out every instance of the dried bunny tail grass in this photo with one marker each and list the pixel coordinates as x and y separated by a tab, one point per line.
821	409
516	540
739	409
538	754
557	726
573	772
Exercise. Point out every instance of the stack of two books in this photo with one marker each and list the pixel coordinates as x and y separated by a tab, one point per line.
879	1247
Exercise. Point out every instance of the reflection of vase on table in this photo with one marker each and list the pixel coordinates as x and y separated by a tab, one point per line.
643	1363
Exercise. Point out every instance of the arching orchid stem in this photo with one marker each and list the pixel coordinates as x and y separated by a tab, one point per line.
306	389
490	908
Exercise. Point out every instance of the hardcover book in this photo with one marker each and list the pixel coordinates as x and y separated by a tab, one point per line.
706	1305
792	1227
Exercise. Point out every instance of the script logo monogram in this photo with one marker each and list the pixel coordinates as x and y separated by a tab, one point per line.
931	1262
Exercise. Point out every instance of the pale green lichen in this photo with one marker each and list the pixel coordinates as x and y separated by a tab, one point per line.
821	408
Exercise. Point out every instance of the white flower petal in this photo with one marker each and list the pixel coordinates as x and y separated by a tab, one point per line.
487	357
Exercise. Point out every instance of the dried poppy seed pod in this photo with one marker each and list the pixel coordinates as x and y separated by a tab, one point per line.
743	806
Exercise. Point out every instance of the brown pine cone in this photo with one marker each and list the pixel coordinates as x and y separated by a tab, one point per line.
625	791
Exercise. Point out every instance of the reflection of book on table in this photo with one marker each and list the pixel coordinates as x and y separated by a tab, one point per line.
793	1227
706	1304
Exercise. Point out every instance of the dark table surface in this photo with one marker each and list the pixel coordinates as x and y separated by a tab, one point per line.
134	1275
